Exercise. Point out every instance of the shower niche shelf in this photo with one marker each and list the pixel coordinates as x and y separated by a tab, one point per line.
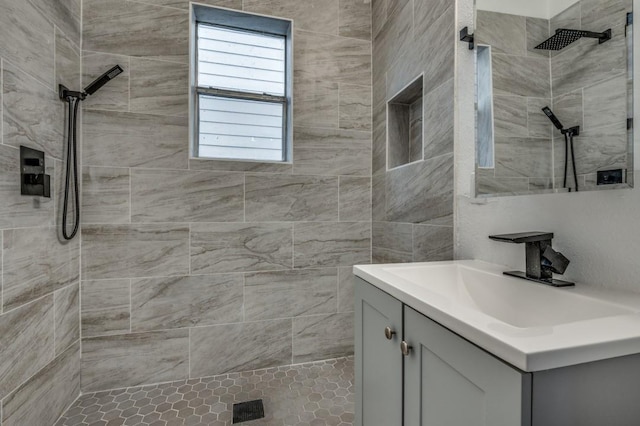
405	125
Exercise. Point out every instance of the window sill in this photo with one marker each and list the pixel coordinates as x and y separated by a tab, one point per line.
216	164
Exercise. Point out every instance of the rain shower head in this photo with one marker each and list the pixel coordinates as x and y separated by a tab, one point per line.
102	80
564	37
547	111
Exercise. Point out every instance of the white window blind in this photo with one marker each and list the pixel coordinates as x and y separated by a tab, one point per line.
241	89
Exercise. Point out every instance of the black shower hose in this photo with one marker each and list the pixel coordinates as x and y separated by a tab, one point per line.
72	156
568	144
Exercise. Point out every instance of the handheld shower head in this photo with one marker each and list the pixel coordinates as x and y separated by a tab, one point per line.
553	118
102	80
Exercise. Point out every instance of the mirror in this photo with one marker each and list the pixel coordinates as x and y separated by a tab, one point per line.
554	96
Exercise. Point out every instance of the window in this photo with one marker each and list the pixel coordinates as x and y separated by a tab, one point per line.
241	86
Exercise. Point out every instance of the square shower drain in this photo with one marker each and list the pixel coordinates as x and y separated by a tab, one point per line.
246	411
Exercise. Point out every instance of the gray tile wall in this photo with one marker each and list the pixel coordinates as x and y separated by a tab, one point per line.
412	207
194	267
521	87
39	275
590	89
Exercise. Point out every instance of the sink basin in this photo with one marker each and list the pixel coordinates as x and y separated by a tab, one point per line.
529	325
521	304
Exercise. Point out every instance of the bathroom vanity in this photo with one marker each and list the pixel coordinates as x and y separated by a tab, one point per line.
458	343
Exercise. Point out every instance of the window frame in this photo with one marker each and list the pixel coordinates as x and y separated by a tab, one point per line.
251	23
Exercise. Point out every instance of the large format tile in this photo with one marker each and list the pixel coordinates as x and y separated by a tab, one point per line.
65	14
327	57
421	192
505	33
355	107
569	109
27	40
67	62
128	360
320	16
378	16
523	157
239	347
174	196
67	317
105	195
331	244
355	19
27	336
605	103
232	247
355	198
391	242
135	29
568	18
105	307
394	37
315	103
432	243
179	302
430	53
438	120
17	210
45	397
598	15
603	148
113	96
281	198
331	152
538	123
322	337
523	76
129	251
510	116
134	140
586	62
33	113
538	30
35	264
159	87
286	294
346	279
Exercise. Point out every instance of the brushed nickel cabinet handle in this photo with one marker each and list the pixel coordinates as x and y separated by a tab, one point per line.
388	333
405	348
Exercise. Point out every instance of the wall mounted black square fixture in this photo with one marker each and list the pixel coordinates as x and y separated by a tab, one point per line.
33	180
466	37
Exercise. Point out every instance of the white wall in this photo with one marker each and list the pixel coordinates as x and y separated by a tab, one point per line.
545	9
598	231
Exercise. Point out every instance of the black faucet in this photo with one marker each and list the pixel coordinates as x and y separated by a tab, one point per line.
542	260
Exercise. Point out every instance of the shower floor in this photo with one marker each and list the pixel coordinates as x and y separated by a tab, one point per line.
315	394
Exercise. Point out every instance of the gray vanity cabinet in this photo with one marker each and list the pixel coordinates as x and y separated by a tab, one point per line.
378	362
443	380
449	381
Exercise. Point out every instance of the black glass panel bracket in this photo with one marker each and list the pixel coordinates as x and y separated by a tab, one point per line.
33	180
467	38
565	36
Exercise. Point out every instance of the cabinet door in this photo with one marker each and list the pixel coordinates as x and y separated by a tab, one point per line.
378	360
449	381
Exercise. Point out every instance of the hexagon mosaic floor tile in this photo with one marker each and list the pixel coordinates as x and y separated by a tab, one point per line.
314	394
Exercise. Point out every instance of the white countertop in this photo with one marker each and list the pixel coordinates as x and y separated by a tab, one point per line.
537	345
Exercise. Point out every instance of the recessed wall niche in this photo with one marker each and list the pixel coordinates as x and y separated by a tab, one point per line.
404	118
